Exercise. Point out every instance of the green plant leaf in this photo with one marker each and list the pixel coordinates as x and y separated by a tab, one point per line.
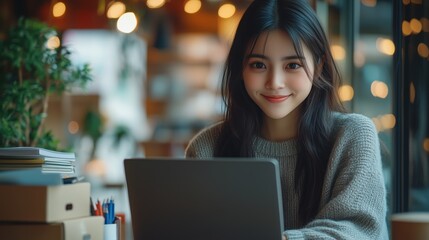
29	73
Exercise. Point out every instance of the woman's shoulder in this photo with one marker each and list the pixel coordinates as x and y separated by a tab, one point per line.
203	143
208	132
354	125
352	121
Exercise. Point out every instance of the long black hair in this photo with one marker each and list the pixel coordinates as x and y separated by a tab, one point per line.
243	118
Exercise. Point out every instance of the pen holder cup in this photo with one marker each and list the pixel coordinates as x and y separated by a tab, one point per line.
111	231
410	225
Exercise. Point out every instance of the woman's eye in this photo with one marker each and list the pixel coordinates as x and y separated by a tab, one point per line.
258	65
293	66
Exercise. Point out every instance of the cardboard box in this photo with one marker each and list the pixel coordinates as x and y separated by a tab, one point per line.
44	203
88	228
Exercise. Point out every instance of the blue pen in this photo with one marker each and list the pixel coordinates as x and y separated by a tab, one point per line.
106	212
112	215
109	204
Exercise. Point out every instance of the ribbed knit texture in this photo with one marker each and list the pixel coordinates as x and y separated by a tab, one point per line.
353	203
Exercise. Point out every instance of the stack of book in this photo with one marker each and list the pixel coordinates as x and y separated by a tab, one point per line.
36	203
48	161
60	212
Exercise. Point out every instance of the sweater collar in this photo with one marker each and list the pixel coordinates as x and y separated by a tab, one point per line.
268	148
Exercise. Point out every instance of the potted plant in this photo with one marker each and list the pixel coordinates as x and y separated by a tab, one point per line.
31	71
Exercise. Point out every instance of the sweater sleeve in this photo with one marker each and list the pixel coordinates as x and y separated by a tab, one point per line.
353	203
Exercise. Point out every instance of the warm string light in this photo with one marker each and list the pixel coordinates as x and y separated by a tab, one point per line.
192	6
59	9
73	127
53	42
384	122
385	46
227	10
415	26
379	89
346	93
423	50
115	10
127	22
338	52
155	3
406	28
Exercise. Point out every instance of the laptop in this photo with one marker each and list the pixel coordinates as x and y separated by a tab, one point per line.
219	198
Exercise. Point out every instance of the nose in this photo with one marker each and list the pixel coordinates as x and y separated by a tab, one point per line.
276	79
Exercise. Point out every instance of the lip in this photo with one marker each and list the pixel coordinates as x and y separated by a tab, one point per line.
276	98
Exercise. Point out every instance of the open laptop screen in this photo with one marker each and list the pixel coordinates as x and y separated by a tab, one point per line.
220	198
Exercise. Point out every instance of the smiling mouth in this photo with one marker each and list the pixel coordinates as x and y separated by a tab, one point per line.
276	99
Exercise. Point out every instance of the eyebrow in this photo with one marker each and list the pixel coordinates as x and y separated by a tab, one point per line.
255	55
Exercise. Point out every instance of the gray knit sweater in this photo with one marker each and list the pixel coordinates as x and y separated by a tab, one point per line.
353	203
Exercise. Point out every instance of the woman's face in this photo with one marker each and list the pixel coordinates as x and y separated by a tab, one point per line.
274	75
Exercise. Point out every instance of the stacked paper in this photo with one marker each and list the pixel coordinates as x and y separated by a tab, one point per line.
48	161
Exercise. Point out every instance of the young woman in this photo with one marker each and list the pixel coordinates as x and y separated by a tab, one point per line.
280	89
